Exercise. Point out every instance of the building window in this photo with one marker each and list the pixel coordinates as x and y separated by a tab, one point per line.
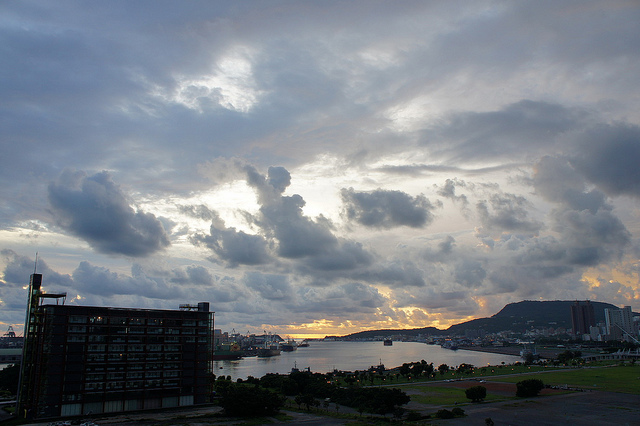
76	319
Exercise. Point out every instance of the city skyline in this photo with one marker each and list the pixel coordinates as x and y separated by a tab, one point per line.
320	168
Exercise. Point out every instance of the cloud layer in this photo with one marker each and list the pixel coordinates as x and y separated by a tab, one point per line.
320	167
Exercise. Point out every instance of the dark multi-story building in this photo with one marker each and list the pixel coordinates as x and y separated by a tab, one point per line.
80	360
582	317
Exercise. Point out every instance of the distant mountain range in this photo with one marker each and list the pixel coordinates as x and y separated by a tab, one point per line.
517	317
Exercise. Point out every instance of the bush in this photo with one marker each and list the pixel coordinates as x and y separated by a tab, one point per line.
458	412
476	393
444	414
528	388
414	416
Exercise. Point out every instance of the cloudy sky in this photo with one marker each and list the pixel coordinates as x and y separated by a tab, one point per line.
320	167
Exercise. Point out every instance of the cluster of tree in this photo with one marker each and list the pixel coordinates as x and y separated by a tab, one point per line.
245	400
371	400
449	414
476	393
9	379
417	369
265	396
528	388
567	357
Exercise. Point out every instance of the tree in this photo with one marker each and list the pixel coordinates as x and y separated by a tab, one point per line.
443	368
476	393
250	401
9	378
529	387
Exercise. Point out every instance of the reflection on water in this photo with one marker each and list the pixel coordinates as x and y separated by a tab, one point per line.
322	357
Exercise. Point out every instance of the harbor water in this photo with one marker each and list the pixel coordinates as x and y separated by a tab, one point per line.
326	356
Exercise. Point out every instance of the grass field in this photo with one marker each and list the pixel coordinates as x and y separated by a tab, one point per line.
440	395
624	378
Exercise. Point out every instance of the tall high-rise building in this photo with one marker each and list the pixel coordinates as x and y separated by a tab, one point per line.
582	317
619	323
79	360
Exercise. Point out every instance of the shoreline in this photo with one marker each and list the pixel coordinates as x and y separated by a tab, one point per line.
546	353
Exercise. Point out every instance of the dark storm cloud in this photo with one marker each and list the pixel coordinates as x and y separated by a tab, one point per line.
395	94
19	268
448	190
386	209
193	274
101	281
506	213
345	256
95	209
235	247
503	134
470	273
269	286
282	218
351	298
399	273
608	156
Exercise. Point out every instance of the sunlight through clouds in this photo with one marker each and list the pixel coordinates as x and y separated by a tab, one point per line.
231	84
321	168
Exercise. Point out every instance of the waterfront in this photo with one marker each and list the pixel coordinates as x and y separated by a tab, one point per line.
325	356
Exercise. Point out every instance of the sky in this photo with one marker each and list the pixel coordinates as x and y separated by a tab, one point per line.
320	168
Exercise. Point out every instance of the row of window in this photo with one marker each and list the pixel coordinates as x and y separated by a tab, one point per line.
135	330
96	338
82	319
133	348
143	356
98	368
133	384
131	375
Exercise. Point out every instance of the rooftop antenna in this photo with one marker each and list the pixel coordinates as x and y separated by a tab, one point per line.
35	267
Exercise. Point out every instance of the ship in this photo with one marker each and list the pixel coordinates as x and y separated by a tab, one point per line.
449	345
290	346
229	350
388	342
267	351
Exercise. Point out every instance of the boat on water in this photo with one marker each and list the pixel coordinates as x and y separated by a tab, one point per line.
449	345
388	342
303	344
268	350
227	351
290	346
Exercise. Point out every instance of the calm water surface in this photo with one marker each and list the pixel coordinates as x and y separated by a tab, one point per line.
322	357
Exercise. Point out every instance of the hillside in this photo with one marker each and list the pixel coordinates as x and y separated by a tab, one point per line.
517	317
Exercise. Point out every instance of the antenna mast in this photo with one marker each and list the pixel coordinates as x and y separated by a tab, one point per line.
35	267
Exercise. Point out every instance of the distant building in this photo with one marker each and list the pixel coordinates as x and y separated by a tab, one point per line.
582	318
80	360
619	323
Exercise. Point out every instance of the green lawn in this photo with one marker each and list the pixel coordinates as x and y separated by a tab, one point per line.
624	378
440	395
